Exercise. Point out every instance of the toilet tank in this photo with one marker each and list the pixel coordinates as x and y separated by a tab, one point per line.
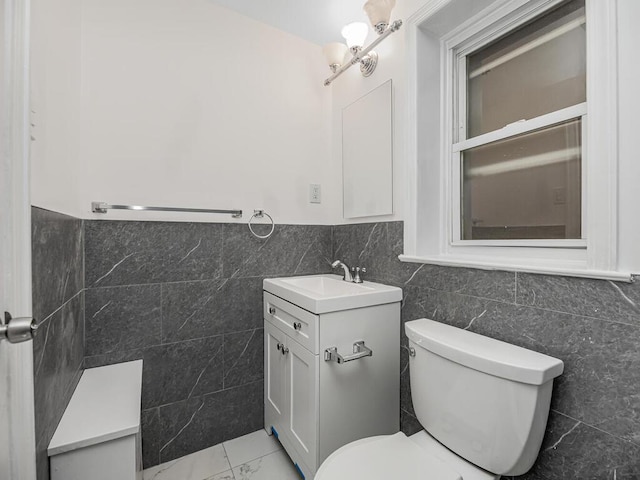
486	400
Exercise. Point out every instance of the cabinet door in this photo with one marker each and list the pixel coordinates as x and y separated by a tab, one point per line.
303	401
275	366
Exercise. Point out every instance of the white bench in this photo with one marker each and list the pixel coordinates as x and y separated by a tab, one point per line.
98	437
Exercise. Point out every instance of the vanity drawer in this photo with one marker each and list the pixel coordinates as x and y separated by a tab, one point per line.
295	322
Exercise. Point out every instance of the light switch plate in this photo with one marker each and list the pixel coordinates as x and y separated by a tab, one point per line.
314	193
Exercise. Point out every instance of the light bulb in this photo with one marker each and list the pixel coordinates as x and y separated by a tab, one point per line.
355	34
334	53
379	13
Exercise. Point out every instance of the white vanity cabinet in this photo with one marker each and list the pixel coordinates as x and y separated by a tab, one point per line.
315	404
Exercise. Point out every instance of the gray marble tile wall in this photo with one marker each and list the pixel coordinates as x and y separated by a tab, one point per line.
592	325
58	283
187	298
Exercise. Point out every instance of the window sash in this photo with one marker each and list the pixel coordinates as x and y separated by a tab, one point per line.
522	126
456	196
460	47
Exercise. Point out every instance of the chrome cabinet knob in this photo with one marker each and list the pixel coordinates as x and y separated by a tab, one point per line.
297	326
285	350
272	310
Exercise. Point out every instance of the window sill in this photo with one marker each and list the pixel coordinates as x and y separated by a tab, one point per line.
497	265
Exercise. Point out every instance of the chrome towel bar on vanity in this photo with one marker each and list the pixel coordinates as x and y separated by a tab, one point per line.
360	350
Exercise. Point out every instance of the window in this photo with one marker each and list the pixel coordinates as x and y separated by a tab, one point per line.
518	130
514	136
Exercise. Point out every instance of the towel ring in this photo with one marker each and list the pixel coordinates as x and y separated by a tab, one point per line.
260	214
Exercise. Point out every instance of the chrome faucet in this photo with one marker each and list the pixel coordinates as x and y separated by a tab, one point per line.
347	274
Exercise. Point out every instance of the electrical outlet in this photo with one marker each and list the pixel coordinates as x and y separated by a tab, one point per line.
559	196
314	193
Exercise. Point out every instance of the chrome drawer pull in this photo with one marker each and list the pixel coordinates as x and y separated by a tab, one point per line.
297	326
359	351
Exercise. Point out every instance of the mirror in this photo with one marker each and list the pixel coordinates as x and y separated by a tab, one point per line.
367	155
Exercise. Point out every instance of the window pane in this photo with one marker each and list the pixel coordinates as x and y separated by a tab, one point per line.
537	69
524	187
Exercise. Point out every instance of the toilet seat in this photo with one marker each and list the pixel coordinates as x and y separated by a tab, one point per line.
384	457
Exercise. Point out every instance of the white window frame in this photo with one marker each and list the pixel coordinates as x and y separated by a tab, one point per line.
459	47
429	224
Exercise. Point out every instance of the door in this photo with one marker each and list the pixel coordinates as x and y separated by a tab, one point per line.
17	443
275	407
303	396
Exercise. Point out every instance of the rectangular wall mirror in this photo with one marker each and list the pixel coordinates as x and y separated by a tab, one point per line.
367	154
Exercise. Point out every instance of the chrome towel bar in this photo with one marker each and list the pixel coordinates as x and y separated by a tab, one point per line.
360	350
100	207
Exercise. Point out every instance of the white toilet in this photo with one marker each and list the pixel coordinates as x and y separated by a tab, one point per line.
483	404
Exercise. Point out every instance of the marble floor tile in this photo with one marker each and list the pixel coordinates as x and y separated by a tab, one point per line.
276	465
228	475
208	464
250	447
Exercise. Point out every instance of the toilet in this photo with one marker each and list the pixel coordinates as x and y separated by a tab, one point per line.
483	404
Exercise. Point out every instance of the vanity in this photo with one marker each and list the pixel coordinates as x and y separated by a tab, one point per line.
332	364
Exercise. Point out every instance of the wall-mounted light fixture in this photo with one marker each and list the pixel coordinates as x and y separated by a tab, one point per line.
379	13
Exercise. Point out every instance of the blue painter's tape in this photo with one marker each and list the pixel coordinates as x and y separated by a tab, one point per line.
275	432
299	471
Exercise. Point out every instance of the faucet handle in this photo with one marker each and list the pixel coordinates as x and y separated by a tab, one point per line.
356	276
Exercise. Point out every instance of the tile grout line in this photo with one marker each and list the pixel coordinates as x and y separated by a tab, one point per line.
203	395
48	317
161	315
131	350
622	439
226	456
503	302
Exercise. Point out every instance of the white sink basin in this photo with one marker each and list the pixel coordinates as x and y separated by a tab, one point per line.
329	293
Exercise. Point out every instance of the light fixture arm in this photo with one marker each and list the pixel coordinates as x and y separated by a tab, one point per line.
357	58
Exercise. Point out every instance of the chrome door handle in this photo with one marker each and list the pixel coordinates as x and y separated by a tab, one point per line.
17	330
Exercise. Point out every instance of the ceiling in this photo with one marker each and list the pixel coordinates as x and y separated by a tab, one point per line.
318	21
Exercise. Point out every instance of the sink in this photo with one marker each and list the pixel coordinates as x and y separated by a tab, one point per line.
329	293
327	286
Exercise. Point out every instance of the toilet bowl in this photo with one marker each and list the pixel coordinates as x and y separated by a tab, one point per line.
399	456
483	404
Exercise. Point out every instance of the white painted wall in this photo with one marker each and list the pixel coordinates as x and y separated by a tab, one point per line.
348	88
185	103
55	104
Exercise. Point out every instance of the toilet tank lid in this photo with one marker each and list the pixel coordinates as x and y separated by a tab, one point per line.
482	353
